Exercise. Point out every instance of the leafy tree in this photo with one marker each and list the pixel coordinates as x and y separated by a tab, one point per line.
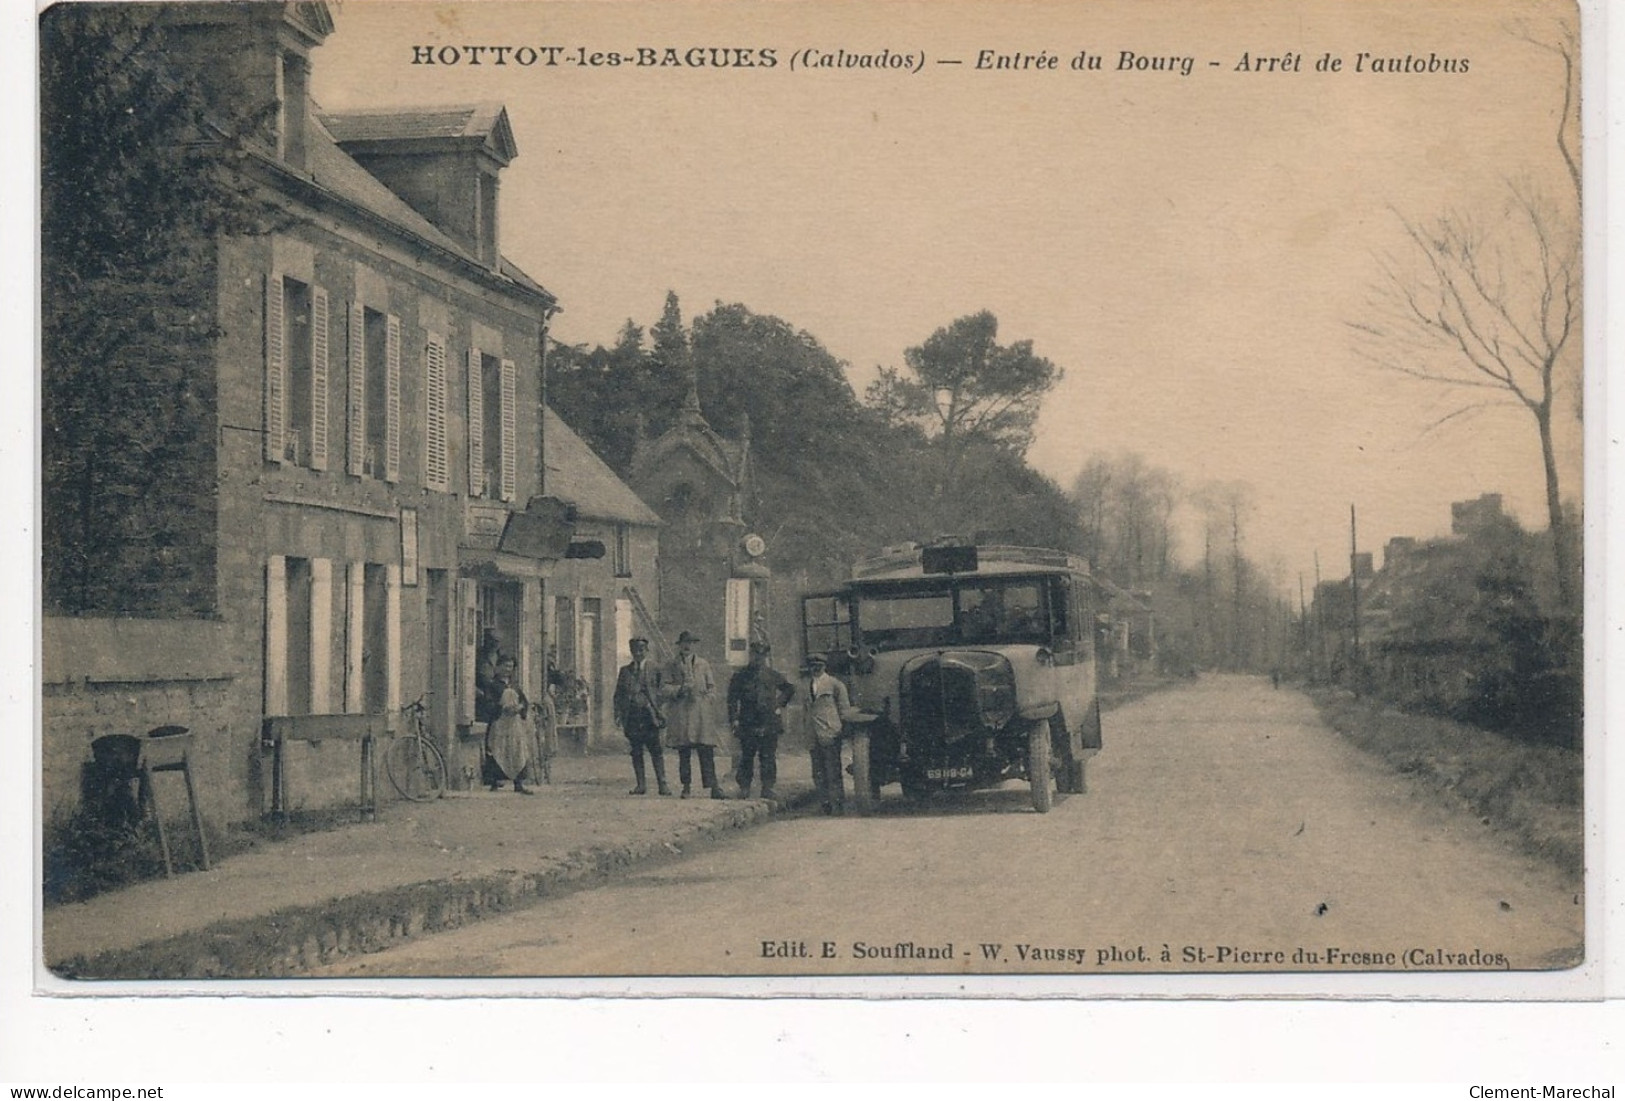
833	479
963	385
139	177
670	338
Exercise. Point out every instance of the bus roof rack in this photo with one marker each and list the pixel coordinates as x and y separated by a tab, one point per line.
900	562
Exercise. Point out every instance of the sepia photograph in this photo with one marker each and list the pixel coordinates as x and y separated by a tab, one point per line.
952	499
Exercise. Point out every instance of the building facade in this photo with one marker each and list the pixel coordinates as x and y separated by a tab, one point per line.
376	395
714	580
597	604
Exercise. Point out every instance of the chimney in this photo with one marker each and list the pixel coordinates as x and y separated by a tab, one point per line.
253	61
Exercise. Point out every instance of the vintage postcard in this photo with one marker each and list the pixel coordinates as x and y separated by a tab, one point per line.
967	498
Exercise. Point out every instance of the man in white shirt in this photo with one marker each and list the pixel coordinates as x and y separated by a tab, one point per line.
825	706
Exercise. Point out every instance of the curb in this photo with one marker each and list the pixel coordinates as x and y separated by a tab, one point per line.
299	939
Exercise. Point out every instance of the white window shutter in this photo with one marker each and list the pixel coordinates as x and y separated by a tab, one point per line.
510	430
357	434
321	636
468	592
276	368
318	378
355	611
476	426
436	461
392	640
276	635
392	401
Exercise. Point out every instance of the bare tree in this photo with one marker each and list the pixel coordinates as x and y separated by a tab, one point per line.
1125	508
1491	306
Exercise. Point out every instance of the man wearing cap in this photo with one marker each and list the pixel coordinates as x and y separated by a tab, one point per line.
688	688
825	705
756	698
639	715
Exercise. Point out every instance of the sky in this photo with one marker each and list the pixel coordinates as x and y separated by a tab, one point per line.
1190	249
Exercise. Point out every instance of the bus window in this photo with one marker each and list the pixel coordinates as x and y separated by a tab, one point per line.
827	622
1060	595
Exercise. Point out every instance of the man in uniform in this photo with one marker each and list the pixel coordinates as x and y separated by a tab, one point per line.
638	714
756	698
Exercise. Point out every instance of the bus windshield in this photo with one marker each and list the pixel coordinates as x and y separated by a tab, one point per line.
970	611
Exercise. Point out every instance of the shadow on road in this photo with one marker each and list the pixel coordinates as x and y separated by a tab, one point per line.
1012	797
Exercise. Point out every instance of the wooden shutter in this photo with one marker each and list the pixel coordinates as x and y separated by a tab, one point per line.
318	378
392	401
358	390
468	593
321	636
510	430
276	635
355	613
476	426
436	460
392	640
276	368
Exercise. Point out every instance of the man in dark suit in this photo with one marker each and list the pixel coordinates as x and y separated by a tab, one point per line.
757	695
639	715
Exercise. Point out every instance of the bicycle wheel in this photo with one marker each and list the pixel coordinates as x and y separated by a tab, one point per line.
416	768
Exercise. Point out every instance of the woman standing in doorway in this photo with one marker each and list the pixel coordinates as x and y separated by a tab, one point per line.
510	741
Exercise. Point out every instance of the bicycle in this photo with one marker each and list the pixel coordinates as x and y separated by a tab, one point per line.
415	765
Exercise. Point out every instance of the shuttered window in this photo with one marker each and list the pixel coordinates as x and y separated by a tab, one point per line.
476	425
510	430
318	378
436	456
392	400
276	368
356	437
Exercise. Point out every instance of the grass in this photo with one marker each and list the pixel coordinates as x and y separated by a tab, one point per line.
1527	791
83	857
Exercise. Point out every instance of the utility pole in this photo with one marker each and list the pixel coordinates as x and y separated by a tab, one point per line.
1354	591
1320	625
1303	615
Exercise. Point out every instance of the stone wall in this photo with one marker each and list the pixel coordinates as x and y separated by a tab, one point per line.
128	676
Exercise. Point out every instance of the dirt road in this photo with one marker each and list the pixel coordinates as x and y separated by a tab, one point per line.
1225	829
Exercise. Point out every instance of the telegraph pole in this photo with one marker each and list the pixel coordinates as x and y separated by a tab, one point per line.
1320	624
1303	614
1354	591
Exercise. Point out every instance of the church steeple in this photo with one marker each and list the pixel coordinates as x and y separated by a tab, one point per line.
691	414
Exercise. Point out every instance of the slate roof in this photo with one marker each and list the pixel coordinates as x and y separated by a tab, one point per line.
485	122
336	171
576	474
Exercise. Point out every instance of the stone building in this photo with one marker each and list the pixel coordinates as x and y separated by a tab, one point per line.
598	605
375	403
714	580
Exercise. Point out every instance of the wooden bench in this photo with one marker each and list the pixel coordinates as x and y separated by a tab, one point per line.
278	730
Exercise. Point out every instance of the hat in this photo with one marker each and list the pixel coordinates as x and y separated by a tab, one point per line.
816	659
761	648
639	641
688	636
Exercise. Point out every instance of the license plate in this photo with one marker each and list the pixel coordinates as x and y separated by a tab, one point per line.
961	773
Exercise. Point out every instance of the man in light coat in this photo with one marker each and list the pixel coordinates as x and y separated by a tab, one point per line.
689	688
825	706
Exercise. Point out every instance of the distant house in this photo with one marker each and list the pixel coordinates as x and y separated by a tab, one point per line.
598	604
1126	632
373	412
